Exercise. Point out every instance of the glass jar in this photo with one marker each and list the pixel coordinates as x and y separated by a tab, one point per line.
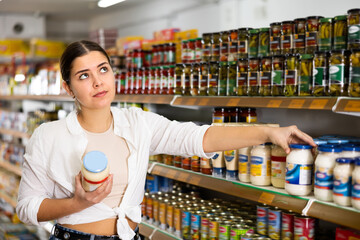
224	46
312	30
138	81
299	35
354	75
171	54
338	73
154	55
94	170
253	77
244	157
185	83
184	51
219	115
353	22
260	167
206	166
146	80
231	85
166	53
287	44
305	75
147	58
290	77
264	46
342	181
129	81
203	78
355	193
223	76
277	75
213	77
325	34
243	42
194	79
206	47
320	74
242	77
171	80
157	80
138	58
191	51
179	68
250	115
121	87
160	54
233	114
253	42
164	78
265	76
215	47
275	38
233	45
278	166
198	49
340	32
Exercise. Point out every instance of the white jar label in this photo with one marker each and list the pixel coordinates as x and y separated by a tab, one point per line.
324	178
300	174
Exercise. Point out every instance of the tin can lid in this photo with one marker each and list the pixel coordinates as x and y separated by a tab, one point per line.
354	10
340	18
326	20
95	161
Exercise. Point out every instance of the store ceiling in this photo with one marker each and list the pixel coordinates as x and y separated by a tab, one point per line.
62	9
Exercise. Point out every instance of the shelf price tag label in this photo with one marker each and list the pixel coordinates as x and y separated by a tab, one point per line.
233	102
190	101
352	106
266	198
274	104
204	102
296	103
318	104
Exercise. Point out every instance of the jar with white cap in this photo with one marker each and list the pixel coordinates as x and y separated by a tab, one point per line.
260	168
94	170
244	157
324	171
355	194
350	151
342	181
278	166
299	170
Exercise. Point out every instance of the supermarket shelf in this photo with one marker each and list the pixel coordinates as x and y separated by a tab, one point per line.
14	133
62	98
155	233
346	104
8	199
10	167
156	99
346	216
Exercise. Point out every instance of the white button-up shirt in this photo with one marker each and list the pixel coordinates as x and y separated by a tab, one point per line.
53	159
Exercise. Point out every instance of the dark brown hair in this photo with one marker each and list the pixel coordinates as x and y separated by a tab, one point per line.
74	50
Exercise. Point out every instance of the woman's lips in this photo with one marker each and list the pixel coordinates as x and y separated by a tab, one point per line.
100	94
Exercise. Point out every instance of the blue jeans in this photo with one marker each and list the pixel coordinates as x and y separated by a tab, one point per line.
91	237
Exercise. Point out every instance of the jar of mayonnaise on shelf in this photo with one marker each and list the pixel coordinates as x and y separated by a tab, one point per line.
260	167
324	171
278	166
231	163
299	170
95	170
218	163
342	181
244	157
318	142
350	151
355	194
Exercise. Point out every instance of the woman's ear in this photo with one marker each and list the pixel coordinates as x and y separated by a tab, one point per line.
68	89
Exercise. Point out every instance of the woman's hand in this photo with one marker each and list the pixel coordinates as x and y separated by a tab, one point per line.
86	199
284	136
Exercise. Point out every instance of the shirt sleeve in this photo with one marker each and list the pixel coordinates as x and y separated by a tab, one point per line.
35	185
175	138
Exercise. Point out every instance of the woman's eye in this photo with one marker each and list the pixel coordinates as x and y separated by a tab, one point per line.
84	76
103	69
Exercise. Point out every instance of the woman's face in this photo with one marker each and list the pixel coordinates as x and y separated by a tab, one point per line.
92	81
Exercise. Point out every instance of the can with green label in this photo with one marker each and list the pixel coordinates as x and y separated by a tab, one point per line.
339	73
320	73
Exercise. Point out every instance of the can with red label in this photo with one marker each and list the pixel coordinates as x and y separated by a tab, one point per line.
304	228
262	217
178	219
205	222
186	223
287	227
274	223
195	225
225	230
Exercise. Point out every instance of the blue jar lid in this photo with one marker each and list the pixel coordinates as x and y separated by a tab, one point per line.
338	141
344	160
300	146
355	140
329	148
350	147
357	161
95	161
328	136
319	141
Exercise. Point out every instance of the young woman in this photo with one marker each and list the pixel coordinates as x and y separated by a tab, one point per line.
51	187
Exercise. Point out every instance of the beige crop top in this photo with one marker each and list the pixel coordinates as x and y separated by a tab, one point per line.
117	152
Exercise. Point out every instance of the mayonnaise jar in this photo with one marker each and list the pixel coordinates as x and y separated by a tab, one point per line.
342	181
278	166
350	151
324	171
244	157
355	194
231	163
260	167
299	170
94	170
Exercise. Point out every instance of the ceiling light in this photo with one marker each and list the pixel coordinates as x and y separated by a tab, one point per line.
108	3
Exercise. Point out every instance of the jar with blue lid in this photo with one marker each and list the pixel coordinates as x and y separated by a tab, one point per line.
324	168
350	150
342	181
94	170
260	166
355	194
299	170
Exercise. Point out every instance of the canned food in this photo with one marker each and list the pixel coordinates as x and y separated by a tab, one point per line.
253	77
264	45
265	76
325	34
162	213
253	42
277	76
178	220
195	224
262	219
291	69
299	35
242	77
304	228
170	216
231	85
205	222
287	44
225	230
275	38
305	75
354	76
274	223
186	223
156	208
338	73
213	78
320	74
287	227
149	209
214	226
353	22
340	32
